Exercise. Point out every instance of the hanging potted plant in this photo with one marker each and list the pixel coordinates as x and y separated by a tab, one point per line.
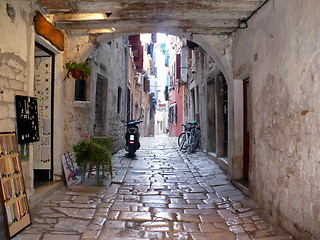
78	70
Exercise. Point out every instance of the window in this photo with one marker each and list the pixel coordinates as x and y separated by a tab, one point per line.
80	90
119	100
173	114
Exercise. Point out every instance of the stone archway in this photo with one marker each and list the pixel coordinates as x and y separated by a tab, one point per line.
217	47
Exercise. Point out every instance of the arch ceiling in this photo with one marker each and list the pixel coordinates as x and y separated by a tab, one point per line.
176	17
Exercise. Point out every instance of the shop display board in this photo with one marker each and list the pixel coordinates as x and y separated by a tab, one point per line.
13	198
70	168
27	119
42	91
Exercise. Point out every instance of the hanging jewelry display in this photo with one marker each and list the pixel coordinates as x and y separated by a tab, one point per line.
27	119
42	90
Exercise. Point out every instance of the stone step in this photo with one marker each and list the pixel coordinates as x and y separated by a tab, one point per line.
119	176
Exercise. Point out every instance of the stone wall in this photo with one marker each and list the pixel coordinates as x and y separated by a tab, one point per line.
280	53
15	61
107	62
14	58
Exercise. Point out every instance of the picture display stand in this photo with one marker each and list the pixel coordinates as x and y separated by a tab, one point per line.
13	198
70	168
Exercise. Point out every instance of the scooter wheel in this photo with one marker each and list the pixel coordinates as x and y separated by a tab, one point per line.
132	152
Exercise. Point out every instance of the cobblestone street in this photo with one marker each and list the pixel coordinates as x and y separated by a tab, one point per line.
163	194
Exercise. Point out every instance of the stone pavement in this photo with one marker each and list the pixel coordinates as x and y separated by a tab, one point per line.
163	194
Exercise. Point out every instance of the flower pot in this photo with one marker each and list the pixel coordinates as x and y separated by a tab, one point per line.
75	74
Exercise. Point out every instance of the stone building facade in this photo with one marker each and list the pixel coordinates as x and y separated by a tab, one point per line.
279	57
270	71
103	111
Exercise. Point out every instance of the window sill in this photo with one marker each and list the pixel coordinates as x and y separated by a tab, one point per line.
81	104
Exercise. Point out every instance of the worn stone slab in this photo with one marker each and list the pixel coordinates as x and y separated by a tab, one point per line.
213	218
237	229
279	237
135	216
163	216
154	199
60	236
115	224
181	205
77	213
27	237
207	227
155	224
72	224
190	227
119	177
78	205
186	217
213	236
92	234
243	236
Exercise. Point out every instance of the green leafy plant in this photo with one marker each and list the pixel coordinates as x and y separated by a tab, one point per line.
78	70
93	153
90	152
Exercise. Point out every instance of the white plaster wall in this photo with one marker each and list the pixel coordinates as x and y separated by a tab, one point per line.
17	77
236	165
280	51
14	59
16	73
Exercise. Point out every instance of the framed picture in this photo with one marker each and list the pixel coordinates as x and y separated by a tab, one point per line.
70	168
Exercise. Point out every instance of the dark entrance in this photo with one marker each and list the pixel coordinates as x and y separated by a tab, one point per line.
98	127
246	129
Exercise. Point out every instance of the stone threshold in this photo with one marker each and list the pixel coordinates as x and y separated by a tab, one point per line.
220	161
223	163
243	186
45	191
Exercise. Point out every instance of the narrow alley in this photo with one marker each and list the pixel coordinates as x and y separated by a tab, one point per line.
163	194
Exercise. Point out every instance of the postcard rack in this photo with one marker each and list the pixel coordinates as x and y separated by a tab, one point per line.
15	207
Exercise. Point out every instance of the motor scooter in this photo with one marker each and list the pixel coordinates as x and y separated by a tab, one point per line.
132	137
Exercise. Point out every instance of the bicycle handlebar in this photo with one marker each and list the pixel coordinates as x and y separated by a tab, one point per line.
188	126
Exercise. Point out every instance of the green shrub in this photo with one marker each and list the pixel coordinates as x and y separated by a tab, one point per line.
105	141
90	152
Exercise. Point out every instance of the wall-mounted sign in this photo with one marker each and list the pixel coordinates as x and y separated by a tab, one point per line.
47	30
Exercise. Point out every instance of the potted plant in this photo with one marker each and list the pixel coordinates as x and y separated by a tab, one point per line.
90	152
78	70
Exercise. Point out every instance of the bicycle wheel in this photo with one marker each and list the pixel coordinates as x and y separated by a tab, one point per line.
180	138
182	141
192	145
197	141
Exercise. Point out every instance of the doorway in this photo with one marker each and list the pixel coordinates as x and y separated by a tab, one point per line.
99	119
246	129
43	91
211	117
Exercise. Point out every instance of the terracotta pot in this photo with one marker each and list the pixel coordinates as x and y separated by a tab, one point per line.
75	74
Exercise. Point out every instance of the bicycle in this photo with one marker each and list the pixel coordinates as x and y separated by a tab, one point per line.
189	139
